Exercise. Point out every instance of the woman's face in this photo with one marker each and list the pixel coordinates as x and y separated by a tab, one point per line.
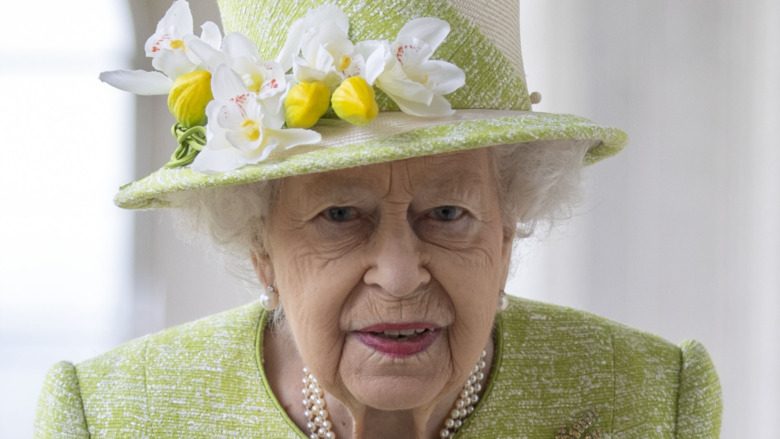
389	274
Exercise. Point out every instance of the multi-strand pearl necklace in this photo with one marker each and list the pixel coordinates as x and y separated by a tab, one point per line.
319	424
316	412
467	399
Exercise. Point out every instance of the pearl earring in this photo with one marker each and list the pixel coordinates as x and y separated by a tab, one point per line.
503	302
269	299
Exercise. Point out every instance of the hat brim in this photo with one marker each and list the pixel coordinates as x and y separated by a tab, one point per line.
390	136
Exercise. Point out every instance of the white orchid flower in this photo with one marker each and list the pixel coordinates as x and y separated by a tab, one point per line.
139	82
329	14
167	47
318	49
170	55
238	132
325	50
376	55
264	78
414	81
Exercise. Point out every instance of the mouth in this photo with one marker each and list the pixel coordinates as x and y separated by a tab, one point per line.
399	340
403	335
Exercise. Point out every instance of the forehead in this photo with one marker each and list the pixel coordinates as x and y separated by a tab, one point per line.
459	169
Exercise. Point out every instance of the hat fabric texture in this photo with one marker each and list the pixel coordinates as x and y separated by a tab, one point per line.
492	108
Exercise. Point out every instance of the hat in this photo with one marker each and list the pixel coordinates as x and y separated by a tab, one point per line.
307	86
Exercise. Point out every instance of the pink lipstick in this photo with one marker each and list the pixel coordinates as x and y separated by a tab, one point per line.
399	340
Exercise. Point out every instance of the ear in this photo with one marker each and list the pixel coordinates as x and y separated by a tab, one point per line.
264	270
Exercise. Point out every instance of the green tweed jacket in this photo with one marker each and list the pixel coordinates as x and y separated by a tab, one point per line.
553	365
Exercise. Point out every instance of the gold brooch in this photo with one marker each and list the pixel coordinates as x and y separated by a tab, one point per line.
578	428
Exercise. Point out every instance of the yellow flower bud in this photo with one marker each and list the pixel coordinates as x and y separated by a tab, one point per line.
306	102
189	96
355	101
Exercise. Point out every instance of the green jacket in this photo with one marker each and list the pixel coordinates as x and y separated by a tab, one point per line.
552	366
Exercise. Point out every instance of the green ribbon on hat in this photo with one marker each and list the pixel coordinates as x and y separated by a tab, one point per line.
191	142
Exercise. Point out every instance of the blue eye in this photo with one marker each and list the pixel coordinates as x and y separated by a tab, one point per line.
340	213
447	213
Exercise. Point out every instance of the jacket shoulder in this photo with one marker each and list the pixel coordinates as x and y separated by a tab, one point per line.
558	363
181	346
143	387
60	412
700	405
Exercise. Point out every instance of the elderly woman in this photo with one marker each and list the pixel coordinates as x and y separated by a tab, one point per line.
377	190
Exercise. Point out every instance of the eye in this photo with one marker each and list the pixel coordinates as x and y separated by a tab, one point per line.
446	213
341	226
339	214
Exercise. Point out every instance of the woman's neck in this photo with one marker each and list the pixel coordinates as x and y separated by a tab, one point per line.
383	424
283	368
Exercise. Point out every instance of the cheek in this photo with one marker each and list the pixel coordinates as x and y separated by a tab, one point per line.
473	292
471	271
313	290
472	280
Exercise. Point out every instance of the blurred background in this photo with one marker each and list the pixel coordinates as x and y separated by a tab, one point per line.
678	235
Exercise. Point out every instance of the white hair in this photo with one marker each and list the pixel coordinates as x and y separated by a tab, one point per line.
539	183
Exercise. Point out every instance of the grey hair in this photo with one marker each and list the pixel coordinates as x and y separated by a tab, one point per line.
538	184
234	218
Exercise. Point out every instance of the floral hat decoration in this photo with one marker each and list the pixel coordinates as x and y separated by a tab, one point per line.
312	86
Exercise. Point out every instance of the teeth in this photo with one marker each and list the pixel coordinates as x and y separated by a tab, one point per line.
403	333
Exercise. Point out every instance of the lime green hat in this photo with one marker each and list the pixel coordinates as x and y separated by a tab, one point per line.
307	86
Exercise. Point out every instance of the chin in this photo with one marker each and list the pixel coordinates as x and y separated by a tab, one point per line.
385	382
395	393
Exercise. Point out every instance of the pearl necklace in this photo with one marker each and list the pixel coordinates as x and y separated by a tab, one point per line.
317	415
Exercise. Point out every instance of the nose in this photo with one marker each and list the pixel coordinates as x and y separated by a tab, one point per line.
396	261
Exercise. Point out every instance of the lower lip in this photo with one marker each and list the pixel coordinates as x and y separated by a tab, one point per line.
398	349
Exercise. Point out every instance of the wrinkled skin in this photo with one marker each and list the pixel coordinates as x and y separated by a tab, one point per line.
414	241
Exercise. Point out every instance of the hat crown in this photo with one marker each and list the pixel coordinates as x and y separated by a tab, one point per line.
484	39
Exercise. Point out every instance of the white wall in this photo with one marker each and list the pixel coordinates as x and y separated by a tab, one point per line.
66	145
